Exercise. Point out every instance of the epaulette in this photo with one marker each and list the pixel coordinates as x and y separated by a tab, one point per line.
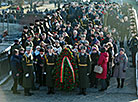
78	57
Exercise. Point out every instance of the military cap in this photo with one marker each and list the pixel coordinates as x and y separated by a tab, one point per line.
83	47
38	47
49	47
31	24
83	35
63	26
68	22
57	41
92	35
122	49
25	27
60	35
28	48
16	40
37	20
42	50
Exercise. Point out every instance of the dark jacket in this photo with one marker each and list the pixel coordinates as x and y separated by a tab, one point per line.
15	66
84	68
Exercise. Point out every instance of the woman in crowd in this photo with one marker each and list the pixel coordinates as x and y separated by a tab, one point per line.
103	63
120	67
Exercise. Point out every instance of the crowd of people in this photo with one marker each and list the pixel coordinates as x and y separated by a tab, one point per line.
85	30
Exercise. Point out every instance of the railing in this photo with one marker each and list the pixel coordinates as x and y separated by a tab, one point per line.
137	72
136	55
4	64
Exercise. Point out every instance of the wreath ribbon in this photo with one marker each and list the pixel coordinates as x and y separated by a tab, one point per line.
62	69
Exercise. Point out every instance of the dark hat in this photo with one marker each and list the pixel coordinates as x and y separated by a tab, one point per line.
68	22
16	40
31	24
49	47
122	49
63	26
37	20
42	50
83	47
60	35
92	35
25	27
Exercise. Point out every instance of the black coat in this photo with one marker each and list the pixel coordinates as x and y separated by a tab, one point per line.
15	66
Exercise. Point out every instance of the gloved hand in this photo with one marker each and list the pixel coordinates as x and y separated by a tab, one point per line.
27	75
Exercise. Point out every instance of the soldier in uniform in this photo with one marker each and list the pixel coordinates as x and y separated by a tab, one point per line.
84	22
40	62
28	69
24	35
50	64
84	70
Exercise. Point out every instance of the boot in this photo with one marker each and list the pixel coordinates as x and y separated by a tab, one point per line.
118	82
26	92
122	83
84	91
52	91
49	90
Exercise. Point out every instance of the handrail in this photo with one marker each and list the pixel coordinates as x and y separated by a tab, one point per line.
136	54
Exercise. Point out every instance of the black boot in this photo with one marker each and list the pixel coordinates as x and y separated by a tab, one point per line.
118	82
52	90
122	83
49	90
84	91
27	92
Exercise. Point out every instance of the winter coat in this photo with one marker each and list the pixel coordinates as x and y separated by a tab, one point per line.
103	63
50	64
84	63
15	66
28	69
120	66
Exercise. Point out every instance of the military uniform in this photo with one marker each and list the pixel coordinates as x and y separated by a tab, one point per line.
50	64
84	69
40	67
28	76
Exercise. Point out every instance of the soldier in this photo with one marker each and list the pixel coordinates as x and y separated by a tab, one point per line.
15	46
84	70
84	22
24	35
40	62
28	76
50	64
16	70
